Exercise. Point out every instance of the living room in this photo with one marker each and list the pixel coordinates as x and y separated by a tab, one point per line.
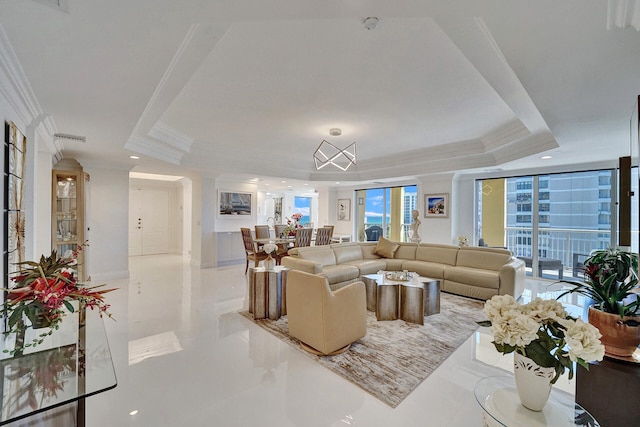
224	98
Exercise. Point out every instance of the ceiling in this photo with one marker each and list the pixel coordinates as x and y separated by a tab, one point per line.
248	90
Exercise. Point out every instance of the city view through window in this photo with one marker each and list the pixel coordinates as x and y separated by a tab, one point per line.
560	217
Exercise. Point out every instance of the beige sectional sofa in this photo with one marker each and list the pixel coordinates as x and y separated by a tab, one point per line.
477	272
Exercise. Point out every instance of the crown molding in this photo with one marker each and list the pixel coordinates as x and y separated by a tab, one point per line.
154	148
623	14
171	136
14	83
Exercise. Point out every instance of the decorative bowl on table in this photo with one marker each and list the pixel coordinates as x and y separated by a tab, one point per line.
398	275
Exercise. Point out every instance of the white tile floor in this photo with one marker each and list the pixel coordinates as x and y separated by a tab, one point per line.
184	358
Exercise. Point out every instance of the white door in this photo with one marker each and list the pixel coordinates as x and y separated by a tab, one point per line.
148	222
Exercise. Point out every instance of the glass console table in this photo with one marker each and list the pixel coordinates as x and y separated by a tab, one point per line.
71	364
501	406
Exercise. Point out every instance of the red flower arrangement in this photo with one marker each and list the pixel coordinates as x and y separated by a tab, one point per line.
43	292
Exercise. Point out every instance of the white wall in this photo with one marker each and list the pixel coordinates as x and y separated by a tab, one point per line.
438	230
108	223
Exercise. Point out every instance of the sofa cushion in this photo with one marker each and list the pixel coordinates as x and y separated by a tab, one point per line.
368	266
368	250
322	254
485	258
347	252
477	276
406	251
340	273
425	268
386	248
441	254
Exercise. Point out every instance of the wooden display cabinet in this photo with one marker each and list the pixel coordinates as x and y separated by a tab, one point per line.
68	213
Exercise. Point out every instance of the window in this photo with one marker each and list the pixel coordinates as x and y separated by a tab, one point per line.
573	213
387	212
303	205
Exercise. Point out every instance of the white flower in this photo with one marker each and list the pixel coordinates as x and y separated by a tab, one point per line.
584	341
270	248
544	310
498	306
514	329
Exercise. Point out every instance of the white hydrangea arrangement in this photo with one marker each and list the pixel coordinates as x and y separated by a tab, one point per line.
270	248
542	331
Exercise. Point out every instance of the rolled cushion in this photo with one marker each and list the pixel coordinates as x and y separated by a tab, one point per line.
386	248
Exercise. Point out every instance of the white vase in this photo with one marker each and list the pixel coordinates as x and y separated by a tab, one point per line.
533	382
269	263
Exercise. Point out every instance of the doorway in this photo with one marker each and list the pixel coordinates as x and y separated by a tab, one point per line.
148	221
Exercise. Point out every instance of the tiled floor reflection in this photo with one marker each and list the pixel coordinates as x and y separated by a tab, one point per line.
183	357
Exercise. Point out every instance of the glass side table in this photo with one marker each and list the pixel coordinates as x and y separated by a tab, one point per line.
501	406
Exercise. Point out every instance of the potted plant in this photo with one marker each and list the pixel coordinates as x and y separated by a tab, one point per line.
42	294
545	341
611	285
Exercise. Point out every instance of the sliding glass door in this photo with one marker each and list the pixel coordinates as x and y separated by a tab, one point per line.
386	212
551	221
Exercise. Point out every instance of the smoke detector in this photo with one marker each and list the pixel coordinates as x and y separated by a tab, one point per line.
370	23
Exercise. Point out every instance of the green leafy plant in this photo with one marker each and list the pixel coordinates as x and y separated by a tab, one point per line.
43	292
611	281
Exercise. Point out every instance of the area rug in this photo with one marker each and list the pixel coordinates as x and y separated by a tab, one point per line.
396	356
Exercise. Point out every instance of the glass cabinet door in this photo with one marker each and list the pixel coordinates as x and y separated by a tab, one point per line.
67	221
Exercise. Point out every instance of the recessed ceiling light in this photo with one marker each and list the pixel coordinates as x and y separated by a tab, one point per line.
134	157
135	411
337	182
547	157
289	186
305	183
283	181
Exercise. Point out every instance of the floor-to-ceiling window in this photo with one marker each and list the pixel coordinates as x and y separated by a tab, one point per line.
553	221
386	212
303	205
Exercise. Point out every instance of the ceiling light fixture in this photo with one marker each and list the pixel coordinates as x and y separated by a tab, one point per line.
134	157
335	131
328	154
547	157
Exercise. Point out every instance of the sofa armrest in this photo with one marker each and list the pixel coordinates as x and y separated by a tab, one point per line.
305	265
512	277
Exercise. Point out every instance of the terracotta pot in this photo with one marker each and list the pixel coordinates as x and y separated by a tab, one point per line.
620	338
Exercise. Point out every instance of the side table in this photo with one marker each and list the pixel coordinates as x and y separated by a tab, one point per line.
609	390
501	406
267	290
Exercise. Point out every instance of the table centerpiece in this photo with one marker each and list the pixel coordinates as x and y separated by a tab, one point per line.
42	294
545	341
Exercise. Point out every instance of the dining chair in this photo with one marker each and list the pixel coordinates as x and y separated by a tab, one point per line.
331	227
303	237
262	232
251	249
323	236
279	229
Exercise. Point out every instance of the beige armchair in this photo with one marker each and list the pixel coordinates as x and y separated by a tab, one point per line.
324	321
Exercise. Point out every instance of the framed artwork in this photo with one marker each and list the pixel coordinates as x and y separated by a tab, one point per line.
234	204
436	205
15	146
344	209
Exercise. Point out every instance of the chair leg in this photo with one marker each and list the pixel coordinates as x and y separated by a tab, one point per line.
246	268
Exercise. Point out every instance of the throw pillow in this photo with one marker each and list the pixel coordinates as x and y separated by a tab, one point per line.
386	248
